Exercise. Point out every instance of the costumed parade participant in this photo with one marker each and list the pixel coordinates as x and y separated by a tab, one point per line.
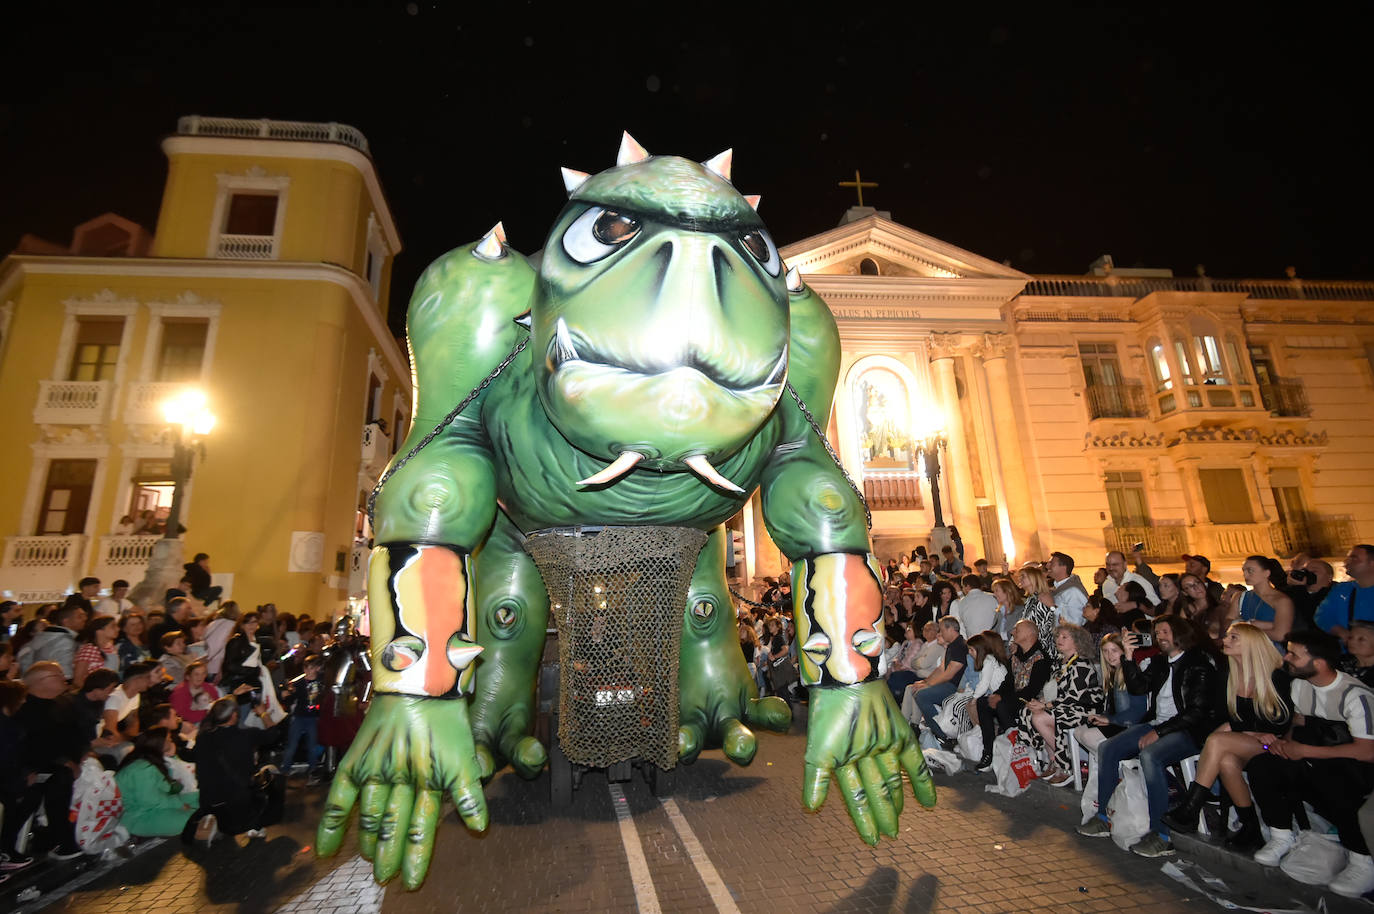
658	366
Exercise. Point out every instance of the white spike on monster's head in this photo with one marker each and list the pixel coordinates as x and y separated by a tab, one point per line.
493	244
753	200
702	467
623	464
794	283
573	179
630	151
722	163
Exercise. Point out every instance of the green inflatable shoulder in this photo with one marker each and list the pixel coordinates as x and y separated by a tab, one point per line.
813	361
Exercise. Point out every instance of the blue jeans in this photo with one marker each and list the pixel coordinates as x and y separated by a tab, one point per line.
300	728
898	681
928	698
1153	760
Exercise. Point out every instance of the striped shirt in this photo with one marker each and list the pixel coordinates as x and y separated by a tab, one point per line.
1345	699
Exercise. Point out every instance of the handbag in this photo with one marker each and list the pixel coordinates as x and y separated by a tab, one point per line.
782	673
1318	731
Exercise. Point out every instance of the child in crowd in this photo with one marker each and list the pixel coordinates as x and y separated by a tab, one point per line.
302	698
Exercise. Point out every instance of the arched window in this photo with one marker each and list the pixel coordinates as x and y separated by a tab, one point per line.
882	406
868	267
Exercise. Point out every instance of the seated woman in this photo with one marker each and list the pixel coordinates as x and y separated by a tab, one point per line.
1099	616
1122	708
1036	586
1201	608
1266	606
226	762
994	698
1133	604
154	802
1171	598
1258	708
1010	606
901	666
1078	694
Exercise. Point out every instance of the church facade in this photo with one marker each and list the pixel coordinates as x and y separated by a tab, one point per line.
1087	413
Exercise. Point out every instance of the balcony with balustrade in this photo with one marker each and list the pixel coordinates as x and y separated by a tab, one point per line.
38	569
124	557
73	402
376	451
892	490
1285	398
1117	401
1315	534
247	247
266	128
1164	541
144	401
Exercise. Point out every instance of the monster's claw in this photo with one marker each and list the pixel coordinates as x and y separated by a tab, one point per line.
689	741
771	713
875	787
913	760
371	807
393	832
343	793
738	742
419	844
856	801
528	757
891	771
486	764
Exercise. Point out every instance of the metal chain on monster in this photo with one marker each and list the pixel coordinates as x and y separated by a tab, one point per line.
838	610
422	630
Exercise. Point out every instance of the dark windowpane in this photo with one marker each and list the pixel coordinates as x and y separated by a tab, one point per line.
252	214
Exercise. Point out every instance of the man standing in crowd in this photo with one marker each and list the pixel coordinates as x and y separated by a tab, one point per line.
1327	760
1185	692
1070	596
117	603
943	683
1349	600
1118	575
976	610
1199	566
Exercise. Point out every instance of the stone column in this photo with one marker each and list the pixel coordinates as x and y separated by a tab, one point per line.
954	461
1010	463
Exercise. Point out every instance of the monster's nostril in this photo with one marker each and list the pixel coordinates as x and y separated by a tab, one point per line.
721	272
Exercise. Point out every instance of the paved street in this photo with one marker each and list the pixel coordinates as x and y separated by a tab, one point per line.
728	839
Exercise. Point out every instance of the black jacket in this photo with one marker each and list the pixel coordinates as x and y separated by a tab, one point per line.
234	673
226	759
1198	690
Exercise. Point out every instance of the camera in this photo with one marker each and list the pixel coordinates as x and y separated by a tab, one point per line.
1303	576
1138	547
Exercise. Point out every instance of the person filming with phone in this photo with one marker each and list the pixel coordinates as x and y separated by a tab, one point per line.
1184	689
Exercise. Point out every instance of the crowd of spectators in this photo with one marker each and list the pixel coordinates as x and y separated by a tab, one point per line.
199	713
1267	685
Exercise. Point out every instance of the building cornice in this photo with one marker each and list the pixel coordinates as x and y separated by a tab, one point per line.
16	266
289	149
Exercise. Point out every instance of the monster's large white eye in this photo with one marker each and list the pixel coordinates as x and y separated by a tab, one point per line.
597	233
758	243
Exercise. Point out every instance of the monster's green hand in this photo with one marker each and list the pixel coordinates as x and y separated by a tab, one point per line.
408	754
857	734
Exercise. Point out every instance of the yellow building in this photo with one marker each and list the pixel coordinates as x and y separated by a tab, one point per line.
1087	413
265	284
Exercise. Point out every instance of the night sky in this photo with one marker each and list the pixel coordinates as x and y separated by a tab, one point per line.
1167	139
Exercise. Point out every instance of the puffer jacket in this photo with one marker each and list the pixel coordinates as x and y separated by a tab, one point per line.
1198	688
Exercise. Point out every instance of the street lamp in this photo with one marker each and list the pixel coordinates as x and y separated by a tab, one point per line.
929	447
190	422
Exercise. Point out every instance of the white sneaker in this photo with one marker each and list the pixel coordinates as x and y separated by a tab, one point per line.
1281	841
1357	879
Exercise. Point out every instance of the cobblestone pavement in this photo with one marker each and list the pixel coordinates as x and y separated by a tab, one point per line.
727	839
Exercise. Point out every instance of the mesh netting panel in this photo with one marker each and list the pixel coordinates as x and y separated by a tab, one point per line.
617	595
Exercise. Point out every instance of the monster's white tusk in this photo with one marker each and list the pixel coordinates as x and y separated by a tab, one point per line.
623	464
794	280
753	200
702	467
722	164
573	179
493	244
630	151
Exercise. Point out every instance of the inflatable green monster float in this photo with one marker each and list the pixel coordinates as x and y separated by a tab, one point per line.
635	378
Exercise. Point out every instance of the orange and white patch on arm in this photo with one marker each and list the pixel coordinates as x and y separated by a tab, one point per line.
838	610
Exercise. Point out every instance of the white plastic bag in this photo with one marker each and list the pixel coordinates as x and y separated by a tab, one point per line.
1011	763
1088	801
96	808
947	762
183	772
1315	859
1129	807
952	717
971	744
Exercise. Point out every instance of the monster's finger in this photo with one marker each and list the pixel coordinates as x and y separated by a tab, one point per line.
771	713
486	765
419	845
875	787
815	785
392	831
738	742
689	741
371	805
337	808
471	804
529	757
922	784
856	801
892	776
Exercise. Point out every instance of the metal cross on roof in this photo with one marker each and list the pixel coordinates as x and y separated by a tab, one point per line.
859	184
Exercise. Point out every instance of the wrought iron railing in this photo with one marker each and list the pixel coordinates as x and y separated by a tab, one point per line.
1164	540
1316	535
1117	401
1285	398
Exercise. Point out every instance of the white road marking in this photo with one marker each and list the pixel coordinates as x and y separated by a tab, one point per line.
715	886
351	883
645	896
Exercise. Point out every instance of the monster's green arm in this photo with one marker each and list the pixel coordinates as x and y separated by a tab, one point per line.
433	511
856	732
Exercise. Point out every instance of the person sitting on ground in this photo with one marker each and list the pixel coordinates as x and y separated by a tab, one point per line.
95	649
1358	660
118	602
1258	709
121	709
88	706
226	757
1183	689
178	614
193	698
53	744
1266	606
154	802
933	690
1327	759
174	656
994	698
56	642
1122	709
952	566
198	575
132	643
1077	695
